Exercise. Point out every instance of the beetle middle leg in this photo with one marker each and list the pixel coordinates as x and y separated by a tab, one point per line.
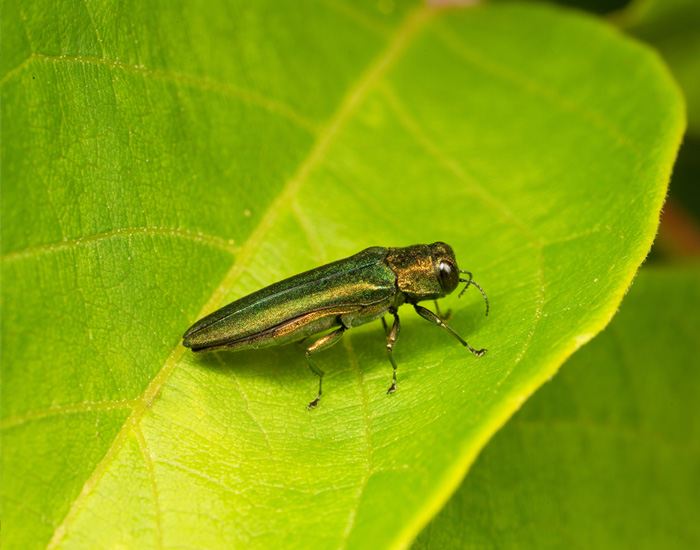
391	338
430	316
386	327
446	316
322	343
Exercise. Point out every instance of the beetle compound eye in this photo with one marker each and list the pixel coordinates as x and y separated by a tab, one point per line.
449	276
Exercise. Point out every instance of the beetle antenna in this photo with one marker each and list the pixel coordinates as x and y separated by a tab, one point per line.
470	282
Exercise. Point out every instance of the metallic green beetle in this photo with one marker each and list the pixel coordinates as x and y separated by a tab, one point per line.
340	295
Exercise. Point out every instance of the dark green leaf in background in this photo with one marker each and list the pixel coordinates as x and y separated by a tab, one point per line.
673	28
606	456
159	161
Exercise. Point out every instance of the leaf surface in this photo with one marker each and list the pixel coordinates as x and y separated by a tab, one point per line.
160	162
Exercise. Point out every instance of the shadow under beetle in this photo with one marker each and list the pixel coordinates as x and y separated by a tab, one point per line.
340	295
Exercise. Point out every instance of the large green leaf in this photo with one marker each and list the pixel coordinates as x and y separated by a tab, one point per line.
161	160
606	456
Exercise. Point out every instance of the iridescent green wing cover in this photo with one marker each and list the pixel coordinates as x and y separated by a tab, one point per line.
361	279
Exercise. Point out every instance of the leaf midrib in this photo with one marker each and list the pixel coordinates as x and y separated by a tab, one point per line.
395	47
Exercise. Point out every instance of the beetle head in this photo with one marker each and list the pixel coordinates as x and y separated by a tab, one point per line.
428	272
424	272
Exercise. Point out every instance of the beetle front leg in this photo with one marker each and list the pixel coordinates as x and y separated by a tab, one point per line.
430	316
322	343
391	338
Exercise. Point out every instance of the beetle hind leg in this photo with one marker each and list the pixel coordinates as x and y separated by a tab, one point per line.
322	343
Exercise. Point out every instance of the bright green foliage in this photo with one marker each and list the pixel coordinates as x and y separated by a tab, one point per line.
673	27
160	161
606	456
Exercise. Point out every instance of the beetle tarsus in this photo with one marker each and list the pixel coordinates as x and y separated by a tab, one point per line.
313	404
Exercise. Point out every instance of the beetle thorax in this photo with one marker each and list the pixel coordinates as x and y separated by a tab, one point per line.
415	272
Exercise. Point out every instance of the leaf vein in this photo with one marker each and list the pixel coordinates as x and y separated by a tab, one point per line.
246	406
197	236
350	14
94	27
148	462
505	74
248	96
59	410
352	517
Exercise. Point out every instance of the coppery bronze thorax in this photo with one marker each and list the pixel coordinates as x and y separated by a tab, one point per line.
415	271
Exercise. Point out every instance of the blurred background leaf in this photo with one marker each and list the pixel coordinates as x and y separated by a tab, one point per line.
673	28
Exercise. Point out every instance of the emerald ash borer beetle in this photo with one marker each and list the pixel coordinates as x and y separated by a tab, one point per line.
340	295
